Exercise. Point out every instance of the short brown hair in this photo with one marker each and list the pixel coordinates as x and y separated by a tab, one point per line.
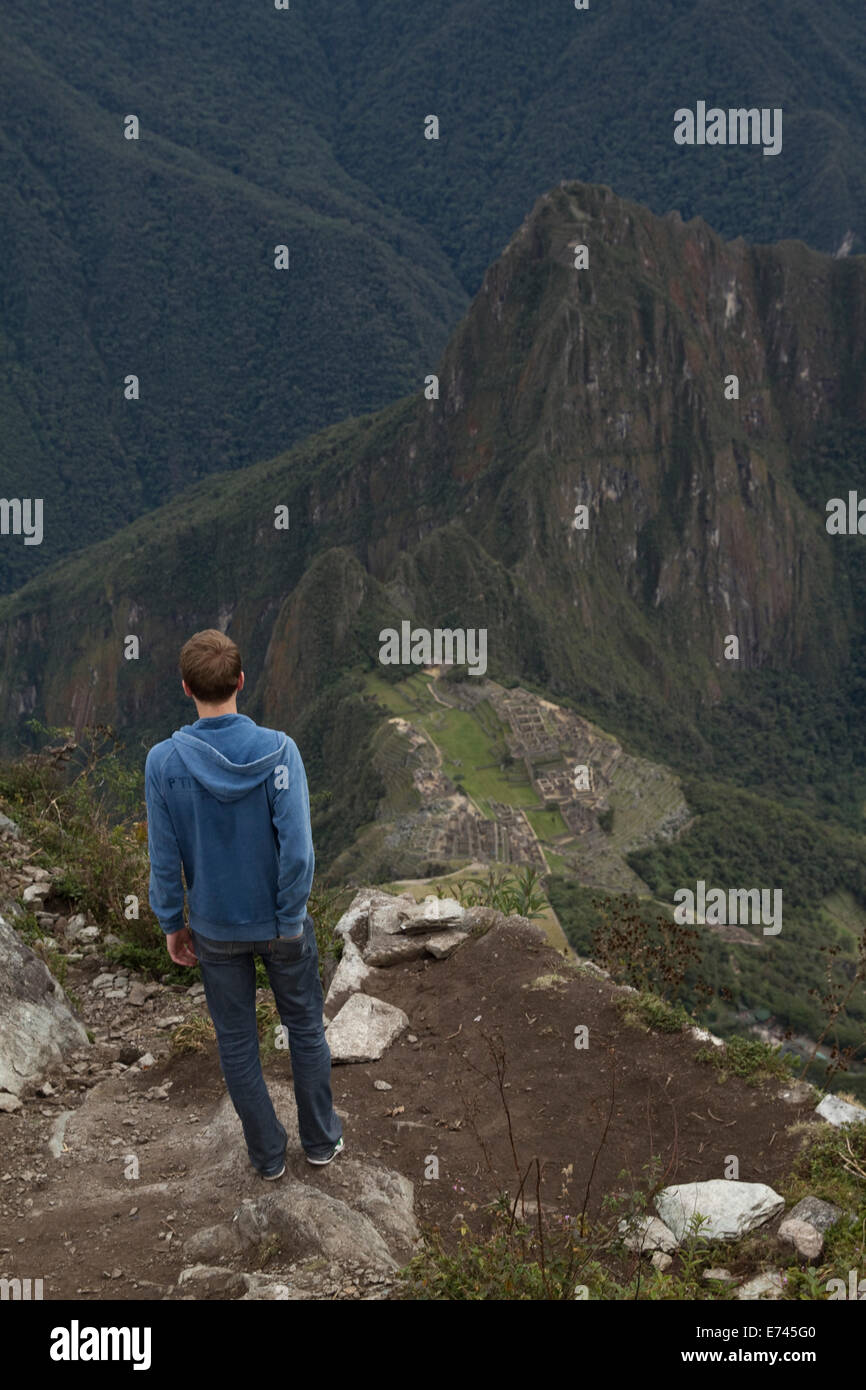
210	663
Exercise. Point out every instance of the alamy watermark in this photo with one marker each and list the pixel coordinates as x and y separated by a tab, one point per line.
22	516
18	1290
443	646
737	126
736	907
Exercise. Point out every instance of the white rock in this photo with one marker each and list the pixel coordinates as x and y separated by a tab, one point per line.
36	892
260	1288
433	914
647	1233
88	934
767	1285
840	1112
75	925
350	974
37	1027
364	1028
732	1208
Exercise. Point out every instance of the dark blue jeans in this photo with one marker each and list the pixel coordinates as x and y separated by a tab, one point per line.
228	972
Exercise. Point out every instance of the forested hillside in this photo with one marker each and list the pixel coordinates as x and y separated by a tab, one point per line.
305	128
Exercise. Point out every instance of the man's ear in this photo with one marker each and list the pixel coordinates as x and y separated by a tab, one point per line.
186	689
240	682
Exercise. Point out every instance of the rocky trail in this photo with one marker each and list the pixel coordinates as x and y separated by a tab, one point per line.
123	1173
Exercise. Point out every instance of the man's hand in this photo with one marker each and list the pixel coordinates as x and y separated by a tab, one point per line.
180	949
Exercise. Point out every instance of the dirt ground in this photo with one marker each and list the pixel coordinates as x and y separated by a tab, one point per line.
75	1222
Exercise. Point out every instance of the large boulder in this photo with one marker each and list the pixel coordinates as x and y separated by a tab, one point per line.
37	1026
310	1221
380	930
732	1208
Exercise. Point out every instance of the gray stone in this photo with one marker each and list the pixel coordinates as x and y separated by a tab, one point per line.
732	1208
308	1220
445	944
140	993
723	1276
840	1112
9	828
661	1261
382	1086
203	1279
768	1285
383	949
35	892
387	919
75	925
434	914
822	1215
350	974
646	1234
9	1103
364	1028
261	1287
37	1026
212	1242
88	935
386	1197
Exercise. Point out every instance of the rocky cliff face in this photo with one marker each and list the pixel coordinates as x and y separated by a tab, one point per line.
606	387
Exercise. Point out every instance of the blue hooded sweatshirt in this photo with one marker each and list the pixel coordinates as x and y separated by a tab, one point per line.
228	800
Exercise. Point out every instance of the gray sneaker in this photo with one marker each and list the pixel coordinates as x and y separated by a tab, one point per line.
338	1147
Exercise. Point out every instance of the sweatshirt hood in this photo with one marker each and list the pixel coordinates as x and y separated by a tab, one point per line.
230	755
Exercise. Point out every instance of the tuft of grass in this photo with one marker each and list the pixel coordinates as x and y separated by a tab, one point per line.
750	1059
193	1035
653	1014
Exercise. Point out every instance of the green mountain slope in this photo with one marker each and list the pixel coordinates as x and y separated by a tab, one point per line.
560	388
305	127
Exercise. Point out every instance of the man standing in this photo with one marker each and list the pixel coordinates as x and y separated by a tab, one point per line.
229	801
